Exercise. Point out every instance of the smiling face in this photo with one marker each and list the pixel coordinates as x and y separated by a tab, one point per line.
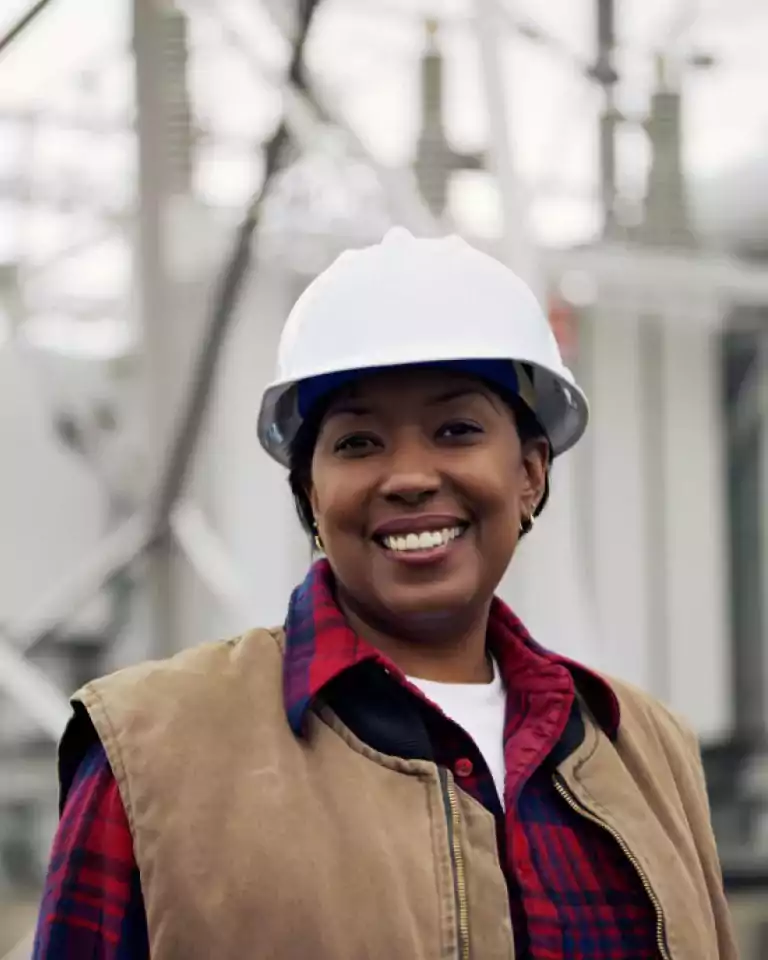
419	483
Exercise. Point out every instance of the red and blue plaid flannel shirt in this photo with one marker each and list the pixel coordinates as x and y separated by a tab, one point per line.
573	893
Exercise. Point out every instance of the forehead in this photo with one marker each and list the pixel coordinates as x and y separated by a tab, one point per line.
410	387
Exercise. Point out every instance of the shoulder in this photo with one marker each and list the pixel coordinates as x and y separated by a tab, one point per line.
641	708
652	728
208	670
644	708
191	700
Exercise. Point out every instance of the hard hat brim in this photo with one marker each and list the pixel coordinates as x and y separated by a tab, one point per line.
559	405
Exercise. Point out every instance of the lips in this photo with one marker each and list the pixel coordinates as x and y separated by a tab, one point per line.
423	523
426	540
420	539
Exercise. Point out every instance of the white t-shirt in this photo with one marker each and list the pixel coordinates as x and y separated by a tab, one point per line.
479	709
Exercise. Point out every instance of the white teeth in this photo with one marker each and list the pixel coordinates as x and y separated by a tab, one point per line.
422	541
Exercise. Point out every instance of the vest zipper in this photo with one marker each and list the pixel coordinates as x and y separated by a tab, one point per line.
457	859
574	804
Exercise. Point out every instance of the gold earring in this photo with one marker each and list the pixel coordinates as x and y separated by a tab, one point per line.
316	538
526	525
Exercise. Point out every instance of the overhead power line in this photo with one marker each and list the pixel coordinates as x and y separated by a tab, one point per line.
18	28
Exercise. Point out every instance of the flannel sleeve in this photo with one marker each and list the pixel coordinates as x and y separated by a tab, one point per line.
92	903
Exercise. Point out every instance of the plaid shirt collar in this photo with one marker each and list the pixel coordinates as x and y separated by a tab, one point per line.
320	645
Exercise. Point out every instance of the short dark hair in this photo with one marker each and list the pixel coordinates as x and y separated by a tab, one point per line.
303	449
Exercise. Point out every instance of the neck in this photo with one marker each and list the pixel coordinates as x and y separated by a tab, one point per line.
441	653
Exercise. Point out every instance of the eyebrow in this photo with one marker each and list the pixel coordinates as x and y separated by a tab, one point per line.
349	405
358	408
458	393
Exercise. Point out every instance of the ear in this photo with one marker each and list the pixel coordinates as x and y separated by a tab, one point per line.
311	493
536	456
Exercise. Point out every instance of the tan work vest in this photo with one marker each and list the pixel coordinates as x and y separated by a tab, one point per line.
253	843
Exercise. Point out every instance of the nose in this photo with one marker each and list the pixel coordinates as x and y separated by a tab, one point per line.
412	476
412	487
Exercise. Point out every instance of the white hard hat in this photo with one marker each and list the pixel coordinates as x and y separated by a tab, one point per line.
408	301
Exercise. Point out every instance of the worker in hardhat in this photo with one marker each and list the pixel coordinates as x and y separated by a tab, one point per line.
400	771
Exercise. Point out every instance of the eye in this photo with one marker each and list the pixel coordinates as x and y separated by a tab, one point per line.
459	429
356	444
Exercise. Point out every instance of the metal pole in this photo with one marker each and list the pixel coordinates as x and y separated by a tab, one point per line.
568	625
518	249
154	294
225	300
605	74
754	712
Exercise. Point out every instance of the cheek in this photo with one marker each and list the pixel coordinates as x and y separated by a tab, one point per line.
496	482
337	499
495	496
499	528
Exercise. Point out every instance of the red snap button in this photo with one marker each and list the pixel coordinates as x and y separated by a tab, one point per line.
463	768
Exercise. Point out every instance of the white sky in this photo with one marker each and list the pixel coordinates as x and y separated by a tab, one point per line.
366	53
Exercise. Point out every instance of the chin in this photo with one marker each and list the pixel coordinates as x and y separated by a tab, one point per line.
430	602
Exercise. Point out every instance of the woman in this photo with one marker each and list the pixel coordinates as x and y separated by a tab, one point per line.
400	772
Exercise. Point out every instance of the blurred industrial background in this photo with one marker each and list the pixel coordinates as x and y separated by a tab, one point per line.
172	174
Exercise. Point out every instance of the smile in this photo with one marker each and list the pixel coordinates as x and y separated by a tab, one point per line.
424	540
423	547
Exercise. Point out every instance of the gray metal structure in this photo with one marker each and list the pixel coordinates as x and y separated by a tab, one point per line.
161	521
